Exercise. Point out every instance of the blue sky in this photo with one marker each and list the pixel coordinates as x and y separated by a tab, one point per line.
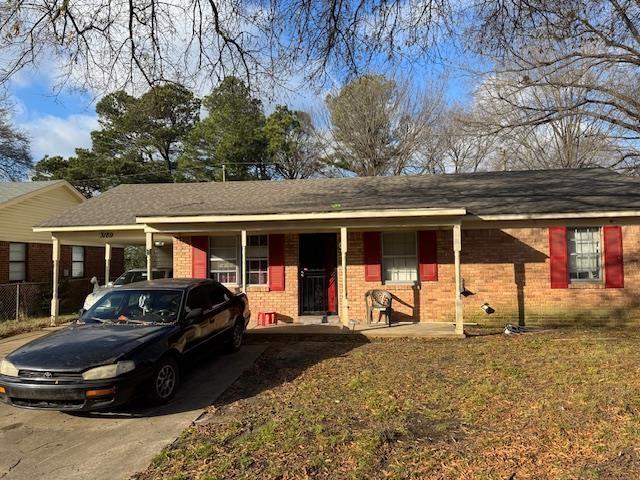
59	122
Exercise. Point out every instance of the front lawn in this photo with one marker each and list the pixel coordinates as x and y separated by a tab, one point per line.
559	405
14	327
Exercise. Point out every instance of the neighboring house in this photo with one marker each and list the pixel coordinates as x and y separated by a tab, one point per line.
25	255
535	246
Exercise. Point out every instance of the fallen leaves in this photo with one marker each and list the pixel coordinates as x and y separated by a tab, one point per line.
562	404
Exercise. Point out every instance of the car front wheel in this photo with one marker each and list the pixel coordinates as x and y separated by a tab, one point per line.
165	381
237	334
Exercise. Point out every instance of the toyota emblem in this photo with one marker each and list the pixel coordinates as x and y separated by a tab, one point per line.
48	374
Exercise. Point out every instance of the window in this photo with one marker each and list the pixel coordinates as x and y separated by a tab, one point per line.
200	297
77	262
219	295
17	262
399	257
161	306
257	259
584	253
223	258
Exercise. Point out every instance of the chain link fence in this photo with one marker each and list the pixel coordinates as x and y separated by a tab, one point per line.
19	301
22	300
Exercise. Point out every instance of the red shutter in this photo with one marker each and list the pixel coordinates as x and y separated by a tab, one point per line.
558	257
372	254
276	263
199	247
613	263
428	255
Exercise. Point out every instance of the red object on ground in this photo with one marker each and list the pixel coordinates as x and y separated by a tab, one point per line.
267	318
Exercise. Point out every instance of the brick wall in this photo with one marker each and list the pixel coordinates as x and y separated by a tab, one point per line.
40	265
72	290
4	262
182	257
508	269
285	303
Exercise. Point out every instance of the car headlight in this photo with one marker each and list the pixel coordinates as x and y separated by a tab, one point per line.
7	368
109	371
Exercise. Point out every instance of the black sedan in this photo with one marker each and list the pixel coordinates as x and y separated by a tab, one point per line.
132	341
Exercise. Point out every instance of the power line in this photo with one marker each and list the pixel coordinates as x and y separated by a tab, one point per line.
116	176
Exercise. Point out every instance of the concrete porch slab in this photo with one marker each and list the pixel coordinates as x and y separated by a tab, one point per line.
397	330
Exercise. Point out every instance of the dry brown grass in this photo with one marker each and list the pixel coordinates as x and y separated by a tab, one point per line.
559	405
14	327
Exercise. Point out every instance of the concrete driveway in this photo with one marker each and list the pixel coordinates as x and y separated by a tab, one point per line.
115	445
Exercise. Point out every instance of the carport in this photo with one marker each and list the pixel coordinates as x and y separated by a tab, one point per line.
157	247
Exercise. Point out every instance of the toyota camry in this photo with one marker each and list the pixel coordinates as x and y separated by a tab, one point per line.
131	342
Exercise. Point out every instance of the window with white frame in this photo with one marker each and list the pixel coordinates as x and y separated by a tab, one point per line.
399	257
583	247
17	262
257	259
223	259
77	262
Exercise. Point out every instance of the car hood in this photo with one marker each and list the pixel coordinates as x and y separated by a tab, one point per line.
79	347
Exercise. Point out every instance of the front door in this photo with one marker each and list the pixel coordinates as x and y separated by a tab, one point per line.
318	262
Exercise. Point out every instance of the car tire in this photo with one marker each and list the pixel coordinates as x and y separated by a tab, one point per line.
234	343
165	380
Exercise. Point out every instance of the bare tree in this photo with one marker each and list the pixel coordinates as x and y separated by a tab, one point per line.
507	113
15	158
590	48
378	125
110	45
464	147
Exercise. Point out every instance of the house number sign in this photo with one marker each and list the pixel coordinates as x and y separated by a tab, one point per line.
106	234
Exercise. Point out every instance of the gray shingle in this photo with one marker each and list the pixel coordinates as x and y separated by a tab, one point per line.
539	191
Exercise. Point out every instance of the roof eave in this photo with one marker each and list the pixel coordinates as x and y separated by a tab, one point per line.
345	214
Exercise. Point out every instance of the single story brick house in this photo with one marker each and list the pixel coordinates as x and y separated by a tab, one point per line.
533	246
25	255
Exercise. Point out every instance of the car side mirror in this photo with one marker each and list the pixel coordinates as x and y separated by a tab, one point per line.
94	282
193	314
81	313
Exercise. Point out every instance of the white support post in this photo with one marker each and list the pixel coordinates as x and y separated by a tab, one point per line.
55	302
457	247
243	238
344	301
149	251
107	262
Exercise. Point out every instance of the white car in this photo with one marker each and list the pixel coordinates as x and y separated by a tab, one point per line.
130	276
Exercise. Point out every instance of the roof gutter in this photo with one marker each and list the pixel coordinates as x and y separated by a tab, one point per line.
556	216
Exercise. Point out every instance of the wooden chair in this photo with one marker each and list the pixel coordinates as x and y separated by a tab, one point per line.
378	301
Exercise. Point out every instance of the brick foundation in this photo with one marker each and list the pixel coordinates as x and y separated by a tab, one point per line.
508	269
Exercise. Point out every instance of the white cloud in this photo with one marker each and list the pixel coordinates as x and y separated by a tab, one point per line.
53	135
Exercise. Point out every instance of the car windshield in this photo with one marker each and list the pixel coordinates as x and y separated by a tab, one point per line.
136	276
136	306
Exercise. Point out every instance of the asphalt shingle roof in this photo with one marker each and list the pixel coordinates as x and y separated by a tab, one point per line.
538	191
11	190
